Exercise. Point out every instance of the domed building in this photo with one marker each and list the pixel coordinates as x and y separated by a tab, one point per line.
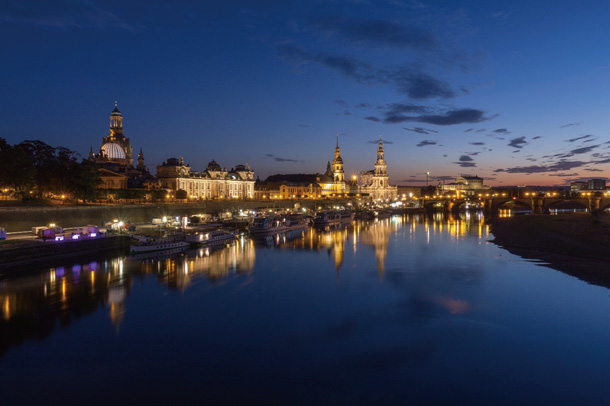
214	182
115	158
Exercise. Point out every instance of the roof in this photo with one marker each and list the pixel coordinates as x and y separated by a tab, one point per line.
113	151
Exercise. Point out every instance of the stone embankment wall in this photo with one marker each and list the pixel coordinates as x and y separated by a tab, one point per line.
24	218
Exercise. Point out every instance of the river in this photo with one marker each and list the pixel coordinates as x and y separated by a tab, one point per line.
410	309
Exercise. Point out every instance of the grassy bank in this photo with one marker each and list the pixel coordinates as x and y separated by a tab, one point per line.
576	244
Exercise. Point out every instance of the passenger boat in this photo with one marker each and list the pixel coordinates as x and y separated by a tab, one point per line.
328	217
215	237
346	216
148	244
280	224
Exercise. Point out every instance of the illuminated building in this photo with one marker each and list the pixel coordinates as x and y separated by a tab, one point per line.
375	182
306	186
212	183
115	159
466	185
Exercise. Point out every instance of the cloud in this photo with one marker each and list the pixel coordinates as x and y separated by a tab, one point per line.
583	137
556	167
377	33
362	105
501	131
372	118
420	130
466	164
583	150
451	117
594	170
425	143
518	142
278	159
537	137
64	14
568	125
342	103
476	143
465	158
410	81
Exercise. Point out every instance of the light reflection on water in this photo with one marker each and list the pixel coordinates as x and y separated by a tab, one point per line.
407	303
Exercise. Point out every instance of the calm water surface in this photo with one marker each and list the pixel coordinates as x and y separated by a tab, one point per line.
403	310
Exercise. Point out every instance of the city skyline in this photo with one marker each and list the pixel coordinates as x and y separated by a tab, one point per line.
514	94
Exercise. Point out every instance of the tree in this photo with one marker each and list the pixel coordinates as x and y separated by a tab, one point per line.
84	178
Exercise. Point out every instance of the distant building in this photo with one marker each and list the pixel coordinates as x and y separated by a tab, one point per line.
576	187
464	185
212	183
408	192
375	182
597	184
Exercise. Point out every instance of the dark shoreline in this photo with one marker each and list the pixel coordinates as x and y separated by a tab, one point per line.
575	244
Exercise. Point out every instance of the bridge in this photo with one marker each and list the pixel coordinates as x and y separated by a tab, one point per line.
536	204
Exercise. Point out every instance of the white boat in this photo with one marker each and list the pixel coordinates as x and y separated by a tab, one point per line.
272	225
211	237
148	244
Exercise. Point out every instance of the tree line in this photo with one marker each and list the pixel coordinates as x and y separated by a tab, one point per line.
38	170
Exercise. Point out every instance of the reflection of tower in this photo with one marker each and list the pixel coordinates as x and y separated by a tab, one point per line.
378	236
116	299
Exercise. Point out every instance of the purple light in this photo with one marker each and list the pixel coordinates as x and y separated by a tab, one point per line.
59	238
93	235
75	236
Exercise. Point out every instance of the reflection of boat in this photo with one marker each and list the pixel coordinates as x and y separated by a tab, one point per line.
327	217
147	244
215	237
383	214
346	216
278	239
164	254
273	225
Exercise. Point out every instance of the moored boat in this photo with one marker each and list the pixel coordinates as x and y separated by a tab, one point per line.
215	237
148	244
271	225
327	217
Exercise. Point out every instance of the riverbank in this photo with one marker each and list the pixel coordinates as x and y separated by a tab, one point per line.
576	244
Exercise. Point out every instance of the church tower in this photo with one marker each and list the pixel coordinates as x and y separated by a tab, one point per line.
141	167
380	165
338	174
115	145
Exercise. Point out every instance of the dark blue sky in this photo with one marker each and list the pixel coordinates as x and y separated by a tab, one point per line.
515	92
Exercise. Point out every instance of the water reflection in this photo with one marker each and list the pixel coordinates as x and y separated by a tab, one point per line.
36	305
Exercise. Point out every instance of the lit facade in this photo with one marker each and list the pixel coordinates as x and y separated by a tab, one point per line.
375	182
466	185
212	183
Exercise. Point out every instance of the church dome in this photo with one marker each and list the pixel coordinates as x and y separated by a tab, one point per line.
214	166
113	151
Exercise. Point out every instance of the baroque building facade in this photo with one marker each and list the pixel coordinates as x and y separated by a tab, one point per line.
115	159
212	183
375	182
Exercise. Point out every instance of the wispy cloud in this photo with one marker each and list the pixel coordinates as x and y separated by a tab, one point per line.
407	80
582	137
518	142
64	14
377	33
555	167
279	159
568	125
425	143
